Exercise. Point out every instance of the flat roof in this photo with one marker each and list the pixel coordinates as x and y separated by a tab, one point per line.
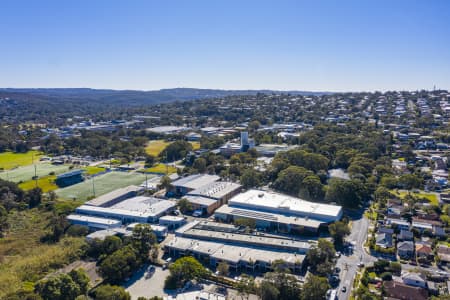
199	200
285	204
216	189
248	239
171	219
167	129
195	181
232	253
134	207
103	199
270	217
93	220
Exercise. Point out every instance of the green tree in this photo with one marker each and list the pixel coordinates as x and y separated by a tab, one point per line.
200	164
246	285
3	220
320	257
184	205
119	265
142	240
250	178
290	179
185	269
61	287
348	193
109	292
267	291
312	189
338	231
166	183
315	288
223	268
80	277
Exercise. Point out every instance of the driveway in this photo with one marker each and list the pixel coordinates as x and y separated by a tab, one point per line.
140	286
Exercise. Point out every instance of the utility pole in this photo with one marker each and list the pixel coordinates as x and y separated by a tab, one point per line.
93	186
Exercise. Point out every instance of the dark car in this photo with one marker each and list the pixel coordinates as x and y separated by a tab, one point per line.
344	289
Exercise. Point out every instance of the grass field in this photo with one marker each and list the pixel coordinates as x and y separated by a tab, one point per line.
93	170
195	145
26	260
103	184
430	196
155	147
161	168
26	173
46	183
10	160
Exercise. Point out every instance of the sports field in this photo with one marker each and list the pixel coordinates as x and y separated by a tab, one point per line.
10	160
90	170
26	173
162	169
46	183
103	184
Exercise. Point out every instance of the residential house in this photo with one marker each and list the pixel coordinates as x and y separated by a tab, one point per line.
414	279
405	249
398	290
405	235
384	240
443	252
424	251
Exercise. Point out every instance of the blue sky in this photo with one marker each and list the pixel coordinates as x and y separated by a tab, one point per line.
285	45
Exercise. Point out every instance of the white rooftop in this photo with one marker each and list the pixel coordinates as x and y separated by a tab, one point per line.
216	189
103	199
93	220
136	207
195	181
280	203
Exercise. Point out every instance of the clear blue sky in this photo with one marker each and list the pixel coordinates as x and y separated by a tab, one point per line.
302	45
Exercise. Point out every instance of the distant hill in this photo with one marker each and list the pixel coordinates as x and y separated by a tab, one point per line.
18	105
135	97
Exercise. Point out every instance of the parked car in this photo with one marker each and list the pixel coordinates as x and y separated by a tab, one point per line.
344	289
197	213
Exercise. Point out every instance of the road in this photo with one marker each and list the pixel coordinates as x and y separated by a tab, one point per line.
348	263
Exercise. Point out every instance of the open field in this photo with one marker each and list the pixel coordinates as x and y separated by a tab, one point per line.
24	258
10	160
46	183
162	169
430	196
103	184
195	145
26	173
91	170
155	147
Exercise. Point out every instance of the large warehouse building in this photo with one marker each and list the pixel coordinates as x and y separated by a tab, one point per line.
212	243
137	209
277	212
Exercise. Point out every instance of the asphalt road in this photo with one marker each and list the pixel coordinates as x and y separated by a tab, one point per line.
348	263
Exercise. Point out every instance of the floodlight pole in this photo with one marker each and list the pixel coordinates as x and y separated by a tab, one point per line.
93	186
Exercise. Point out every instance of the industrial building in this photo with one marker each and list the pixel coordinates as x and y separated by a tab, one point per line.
212	243
137	209
172	222
115	196
277	212
186	184
212	195
69	178
94	223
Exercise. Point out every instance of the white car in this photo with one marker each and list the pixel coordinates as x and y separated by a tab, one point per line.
197	213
